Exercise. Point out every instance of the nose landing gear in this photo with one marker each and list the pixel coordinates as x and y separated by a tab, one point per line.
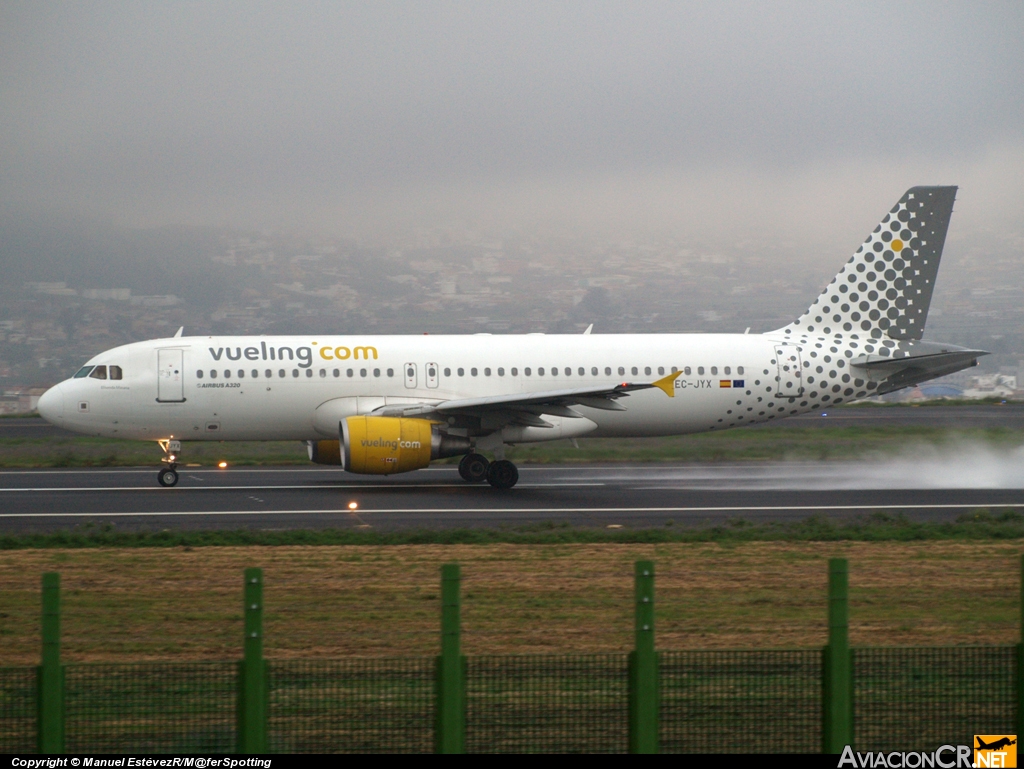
168	476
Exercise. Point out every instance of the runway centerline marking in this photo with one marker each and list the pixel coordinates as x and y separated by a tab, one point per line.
448	510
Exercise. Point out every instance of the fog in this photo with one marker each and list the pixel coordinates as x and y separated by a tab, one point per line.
962	464
720	120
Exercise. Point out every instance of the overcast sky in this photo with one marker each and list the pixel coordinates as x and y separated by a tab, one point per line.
618	118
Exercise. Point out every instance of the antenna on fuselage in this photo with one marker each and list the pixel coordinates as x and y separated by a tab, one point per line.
178	334
589	329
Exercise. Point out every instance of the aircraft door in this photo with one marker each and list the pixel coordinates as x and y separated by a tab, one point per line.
432	375
170	383
410	376
791	374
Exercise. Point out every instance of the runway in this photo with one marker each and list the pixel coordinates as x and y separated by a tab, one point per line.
616	496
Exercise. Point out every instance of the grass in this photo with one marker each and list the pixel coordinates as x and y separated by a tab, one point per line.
184	602
793	443
980	524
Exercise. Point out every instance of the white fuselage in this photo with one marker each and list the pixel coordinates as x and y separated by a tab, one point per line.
296	388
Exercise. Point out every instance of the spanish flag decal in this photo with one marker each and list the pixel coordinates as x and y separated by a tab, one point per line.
725	383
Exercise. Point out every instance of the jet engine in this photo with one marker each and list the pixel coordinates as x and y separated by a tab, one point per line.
386	445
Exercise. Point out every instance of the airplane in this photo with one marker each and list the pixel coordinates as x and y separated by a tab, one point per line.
380	405
1002	742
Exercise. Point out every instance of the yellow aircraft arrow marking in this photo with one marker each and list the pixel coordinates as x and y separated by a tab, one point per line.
667	384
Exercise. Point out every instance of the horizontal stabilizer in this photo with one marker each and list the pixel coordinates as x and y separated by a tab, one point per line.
897	373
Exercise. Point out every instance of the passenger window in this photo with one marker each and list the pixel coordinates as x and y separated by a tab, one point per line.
280	373
661	370
635	370
674	369
472	371
526	371
447	372
461	372
309	373
700	370
199	374
540	371
568	371
227	373
714	370
376	372
501	371
515	372
607	371
362	372
647	371
593	371
739	369
583	371
687	371
255	374
100	372
241	373
336	373
622	371
213	373
115	372
391	372
323	373
268	374
349	373
487	372
728	369
83	372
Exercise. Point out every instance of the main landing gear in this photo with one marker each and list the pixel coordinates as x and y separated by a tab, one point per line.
501	474
168	476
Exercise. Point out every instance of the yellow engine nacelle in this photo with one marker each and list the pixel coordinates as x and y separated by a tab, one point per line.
386	445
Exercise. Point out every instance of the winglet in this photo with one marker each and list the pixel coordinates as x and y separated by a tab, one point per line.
667	384
589	329
178	334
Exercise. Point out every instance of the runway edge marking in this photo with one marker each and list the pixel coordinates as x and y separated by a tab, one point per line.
448	510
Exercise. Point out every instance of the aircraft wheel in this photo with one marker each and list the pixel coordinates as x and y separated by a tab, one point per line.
167	477
502	474
473	468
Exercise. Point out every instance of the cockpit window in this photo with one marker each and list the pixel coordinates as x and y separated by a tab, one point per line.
115	372
100	372
83	372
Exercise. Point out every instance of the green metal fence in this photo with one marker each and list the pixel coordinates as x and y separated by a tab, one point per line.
351	706
795	701
919	699
741	701
151	707
547	703
18	709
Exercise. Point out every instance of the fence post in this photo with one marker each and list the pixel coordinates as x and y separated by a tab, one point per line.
643	667
450	733
1020	659
837	678
252	671
50	674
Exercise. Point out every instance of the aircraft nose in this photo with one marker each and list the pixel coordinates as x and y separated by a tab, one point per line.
51	405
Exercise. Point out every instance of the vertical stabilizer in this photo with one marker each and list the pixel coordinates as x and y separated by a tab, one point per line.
885	288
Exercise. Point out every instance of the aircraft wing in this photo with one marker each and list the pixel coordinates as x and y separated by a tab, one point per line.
913	369
527	408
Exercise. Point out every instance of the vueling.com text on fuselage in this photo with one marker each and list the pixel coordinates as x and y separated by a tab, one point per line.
304	355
